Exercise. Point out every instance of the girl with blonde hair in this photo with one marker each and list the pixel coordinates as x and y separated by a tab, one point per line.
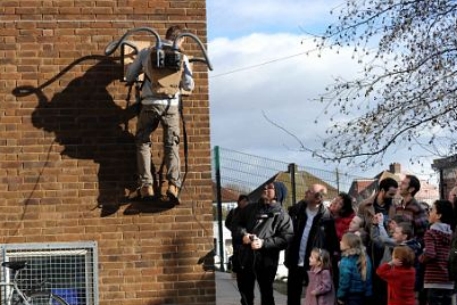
355	271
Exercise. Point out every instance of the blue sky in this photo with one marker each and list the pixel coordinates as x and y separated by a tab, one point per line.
257	49
236	18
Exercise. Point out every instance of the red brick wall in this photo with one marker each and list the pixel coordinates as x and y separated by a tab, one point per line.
67	152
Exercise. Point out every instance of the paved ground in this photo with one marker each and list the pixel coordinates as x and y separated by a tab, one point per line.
227	291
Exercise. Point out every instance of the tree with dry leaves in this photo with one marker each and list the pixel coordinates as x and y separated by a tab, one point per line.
406	96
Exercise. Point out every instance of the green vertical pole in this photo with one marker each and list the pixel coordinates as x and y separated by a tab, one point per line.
442	195
293	183
219	208
337	179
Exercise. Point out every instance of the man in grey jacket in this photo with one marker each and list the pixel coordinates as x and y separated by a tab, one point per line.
160	97
262	230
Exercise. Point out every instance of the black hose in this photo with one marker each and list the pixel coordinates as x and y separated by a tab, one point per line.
200	44
112	46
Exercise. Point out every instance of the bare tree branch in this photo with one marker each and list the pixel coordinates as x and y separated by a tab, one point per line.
302	145
407	92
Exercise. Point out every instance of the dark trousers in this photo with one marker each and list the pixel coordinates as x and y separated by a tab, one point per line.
297	278
265	277
439	296
379	290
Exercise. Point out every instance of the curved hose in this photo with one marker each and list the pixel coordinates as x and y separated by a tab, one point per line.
200	44
112	46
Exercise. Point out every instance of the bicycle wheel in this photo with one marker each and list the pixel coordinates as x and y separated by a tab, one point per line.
46	298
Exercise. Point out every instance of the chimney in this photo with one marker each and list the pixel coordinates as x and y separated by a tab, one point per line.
395	168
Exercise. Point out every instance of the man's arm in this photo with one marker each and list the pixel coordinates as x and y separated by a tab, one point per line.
380	237
136	67
241	221
187	81
420	223
283	235
229	219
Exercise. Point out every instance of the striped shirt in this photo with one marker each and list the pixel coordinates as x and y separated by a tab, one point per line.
436	253
415	214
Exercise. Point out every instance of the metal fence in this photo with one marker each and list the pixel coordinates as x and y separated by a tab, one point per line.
68	270
236	173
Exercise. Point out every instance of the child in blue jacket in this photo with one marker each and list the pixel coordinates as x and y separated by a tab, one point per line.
355	272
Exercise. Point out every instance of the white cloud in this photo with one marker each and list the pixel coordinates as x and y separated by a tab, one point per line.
279	84
260	66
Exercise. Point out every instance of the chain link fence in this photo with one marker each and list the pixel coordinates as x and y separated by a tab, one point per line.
236	173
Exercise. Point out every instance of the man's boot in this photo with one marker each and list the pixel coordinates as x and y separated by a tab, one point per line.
172	191
163	188
146	191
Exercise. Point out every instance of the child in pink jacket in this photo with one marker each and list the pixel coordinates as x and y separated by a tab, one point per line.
320	290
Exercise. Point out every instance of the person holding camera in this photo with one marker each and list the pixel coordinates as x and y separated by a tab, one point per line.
261	230
314	227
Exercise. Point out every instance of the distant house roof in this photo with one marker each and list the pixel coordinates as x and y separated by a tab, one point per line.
303	180
361	189
227	195
428	193
364	188
388	174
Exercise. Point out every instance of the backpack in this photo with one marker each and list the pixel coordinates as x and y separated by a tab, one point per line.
164	71
452	260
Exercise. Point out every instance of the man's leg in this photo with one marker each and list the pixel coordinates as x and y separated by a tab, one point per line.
171	143
295	285
379	290
147	122
439	296
245	280
265	278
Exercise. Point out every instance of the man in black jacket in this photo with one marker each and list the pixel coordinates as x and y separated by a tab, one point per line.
314	227
261	230
243	200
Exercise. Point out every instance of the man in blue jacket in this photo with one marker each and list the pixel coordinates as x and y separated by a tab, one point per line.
262	230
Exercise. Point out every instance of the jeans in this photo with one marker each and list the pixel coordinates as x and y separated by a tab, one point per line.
148	121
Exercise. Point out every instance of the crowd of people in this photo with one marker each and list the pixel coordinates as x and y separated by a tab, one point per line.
378	251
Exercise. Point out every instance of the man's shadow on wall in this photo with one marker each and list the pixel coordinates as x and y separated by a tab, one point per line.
89	125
